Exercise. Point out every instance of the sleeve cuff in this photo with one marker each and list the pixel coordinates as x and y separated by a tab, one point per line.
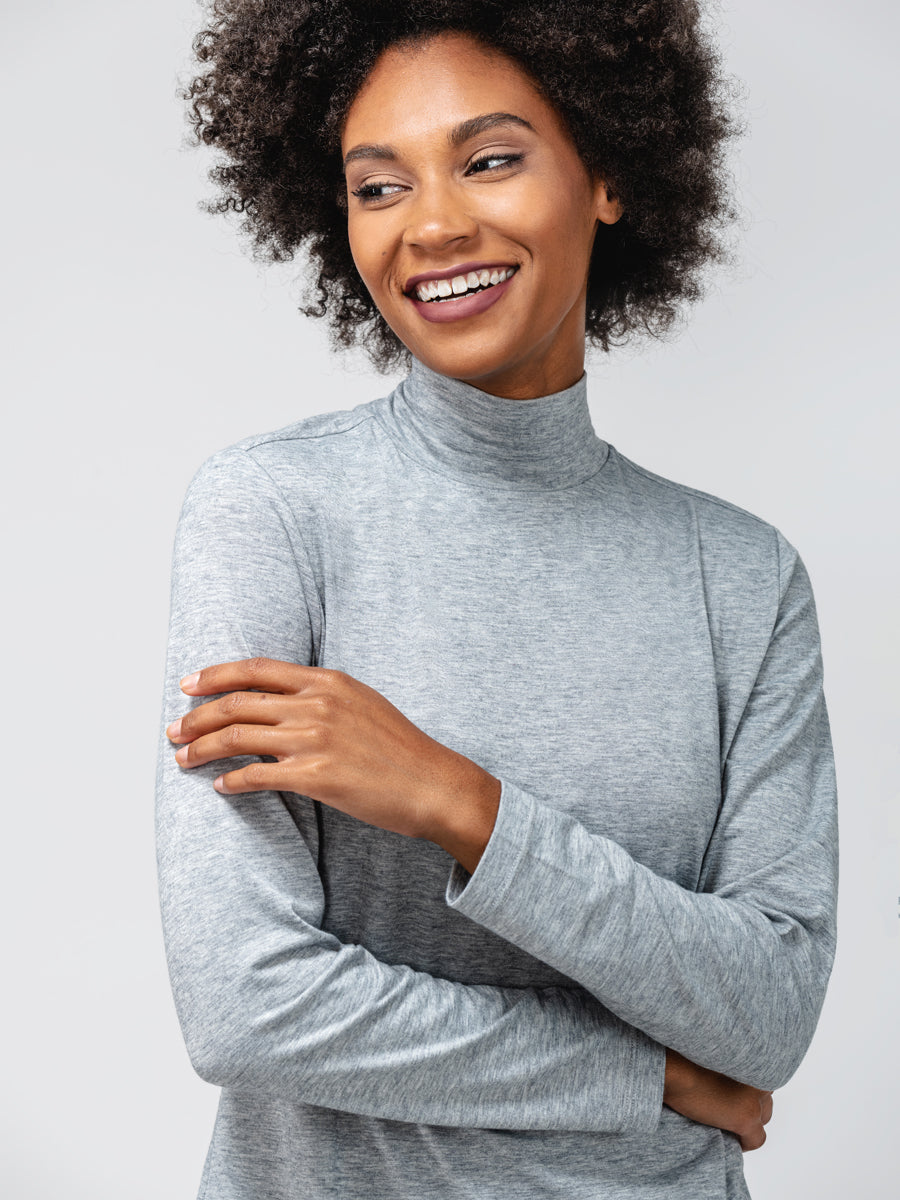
476	895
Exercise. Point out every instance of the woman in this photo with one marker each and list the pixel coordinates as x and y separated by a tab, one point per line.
520	879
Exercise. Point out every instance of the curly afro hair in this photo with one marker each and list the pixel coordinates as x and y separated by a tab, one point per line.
636	80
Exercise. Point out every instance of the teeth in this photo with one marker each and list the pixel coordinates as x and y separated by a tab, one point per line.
434	289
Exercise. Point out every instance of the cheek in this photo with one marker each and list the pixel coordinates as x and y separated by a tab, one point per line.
366	246
371	246
358	247
564	243
552	224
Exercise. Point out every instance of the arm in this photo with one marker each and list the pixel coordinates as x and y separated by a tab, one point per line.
270	1001
732	976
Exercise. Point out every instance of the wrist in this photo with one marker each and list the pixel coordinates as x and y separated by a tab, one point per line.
677	1069
466	817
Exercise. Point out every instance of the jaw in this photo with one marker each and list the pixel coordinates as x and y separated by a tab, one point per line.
495	349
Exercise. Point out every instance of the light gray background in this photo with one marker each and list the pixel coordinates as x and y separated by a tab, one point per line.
140	339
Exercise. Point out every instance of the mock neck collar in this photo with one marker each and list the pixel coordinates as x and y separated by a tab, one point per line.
454	428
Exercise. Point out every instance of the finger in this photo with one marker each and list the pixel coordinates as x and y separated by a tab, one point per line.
257	777
245	708
263	674
235	741
766	1106
753	1140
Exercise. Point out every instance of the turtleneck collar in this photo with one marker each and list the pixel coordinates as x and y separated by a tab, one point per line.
454	428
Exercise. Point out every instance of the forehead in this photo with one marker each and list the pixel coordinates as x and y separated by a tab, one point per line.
424	89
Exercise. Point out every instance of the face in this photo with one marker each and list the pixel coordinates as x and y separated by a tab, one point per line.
472	216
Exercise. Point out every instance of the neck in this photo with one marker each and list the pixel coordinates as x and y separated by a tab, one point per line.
537	377
526	386
461	430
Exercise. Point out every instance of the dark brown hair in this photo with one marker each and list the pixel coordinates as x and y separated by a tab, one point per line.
638	83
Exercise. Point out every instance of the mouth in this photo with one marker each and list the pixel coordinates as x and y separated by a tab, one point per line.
451	288
464	291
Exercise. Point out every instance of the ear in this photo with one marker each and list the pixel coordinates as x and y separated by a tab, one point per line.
607	206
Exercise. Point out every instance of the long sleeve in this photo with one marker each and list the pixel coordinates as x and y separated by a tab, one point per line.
731	975
268	1000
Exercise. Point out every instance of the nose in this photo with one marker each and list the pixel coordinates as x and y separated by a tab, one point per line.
438	218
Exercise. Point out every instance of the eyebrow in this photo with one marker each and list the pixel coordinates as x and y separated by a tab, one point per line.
460	133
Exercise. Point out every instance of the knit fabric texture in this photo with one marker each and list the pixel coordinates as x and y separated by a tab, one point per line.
639	664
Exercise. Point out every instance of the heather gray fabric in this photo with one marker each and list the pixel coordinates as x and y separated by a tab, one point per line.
639	664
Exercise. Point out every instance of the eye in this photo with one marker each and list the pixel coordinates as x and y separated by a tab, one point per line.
376	191
493	162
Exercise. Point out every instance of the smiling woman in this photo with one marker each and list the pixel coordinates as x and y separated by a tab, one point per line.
636	84
520	879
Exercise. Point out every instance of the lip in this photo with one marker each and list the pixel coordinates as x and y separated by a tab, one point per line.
439	312
451	272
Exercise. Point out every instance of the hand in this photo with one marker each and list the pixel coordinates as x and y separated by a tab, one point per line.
339	741
714	1099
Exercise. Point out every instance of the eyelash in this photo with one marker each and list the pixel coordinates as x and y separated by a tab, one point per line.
369	191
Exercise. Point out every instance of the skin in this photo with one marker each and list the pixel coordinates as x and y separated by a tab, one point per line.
336	739
442	204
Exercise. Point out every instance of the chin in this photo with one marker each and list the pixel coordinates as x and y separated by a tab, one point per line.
468	363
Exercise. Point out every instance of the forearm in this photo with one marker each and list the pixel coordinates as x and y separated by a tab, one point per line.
271	1002
463	827
712	977
731	970
267	999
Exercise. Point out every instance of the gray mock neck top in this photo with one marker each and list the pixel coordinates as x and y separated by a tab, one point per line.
468	434
639	664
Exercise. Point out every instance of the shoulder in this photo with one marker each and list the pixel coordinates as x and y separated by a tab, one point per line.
326	430
730	540
307	450
321	434
669	496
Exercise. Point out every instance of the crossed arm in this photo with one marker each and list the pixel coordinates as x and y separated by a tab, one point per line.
338	741
287	996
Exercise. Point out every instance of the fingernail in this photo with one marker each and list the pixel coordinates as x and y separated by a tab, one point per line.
190	681
174	730
181	755
218	784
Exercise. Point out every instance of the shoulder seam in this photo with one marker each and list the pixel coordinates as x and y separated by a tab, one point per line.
684	487
295	433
